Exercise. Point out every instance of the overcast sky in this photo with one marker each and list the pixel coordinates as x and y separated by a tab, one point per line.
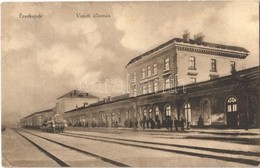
43	59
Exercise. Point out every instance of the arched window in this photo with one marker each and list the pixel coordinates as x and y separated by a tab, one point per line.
187	109
145	112
113	117
150	113
103	117
232	104
157	112
127	115
144	89
168	110
107	117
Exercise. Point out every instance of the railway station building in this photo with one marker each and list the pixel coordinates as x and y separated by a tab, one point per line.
37	118
227	102
182	61
183	78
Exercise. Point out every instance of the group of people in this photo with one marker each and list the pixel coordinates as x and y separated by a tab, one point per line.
147	123
168	123
144	123
177	123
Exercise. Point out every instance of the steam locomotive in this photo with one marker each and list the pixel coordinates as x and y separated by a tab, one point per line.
45	120
56	124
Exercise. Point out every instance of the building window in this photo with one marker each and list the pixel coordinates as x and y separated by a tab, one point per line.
154	68
150	90
187	110
192	65
143	73
148	71
213	65
107	117
168	110
119	117
145	112
232	104
150	113
134	76
127	115
155	86
144	89
213	76
233	65
103	117
167	64
193	80
157	112
167	83
113	117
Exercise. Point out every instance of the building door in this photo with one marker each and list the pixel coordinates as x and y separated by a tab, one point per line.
232	115
158	115
206	111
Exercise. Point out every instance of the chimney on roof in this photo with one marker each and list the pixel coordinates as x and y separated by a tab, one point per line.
85	104
186	36
199	38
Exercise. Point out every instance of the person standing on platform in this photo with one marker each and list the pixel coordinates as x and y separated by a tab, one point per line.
144	121
182	121
176	123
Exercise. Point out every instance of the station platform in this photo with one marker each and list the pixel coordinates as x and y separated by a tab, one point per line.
255	131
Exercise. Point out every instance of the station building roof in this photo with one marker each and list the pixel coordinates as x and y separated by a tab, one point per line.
191	42
77	94
39	112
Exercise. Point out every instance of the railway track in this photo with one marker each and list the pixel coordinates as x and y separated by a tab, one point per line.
56	159
34	139
244	157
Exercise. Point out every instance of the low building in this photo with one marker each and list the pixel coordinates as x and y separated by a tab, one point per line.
37	118
74	99
230	101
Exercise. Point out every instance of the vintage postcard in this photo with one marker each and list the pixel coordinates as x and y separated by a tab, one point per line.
130	84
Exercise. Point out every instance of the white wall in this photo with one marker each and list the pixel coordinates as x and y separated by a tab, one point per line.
65	104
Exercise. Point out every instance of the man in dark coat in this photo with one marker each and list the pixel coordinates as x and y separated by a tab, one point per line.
176	123
144	121
170	123
182	121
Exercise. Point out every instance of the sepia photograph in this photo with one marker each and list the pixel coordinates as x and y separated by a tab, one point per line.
130	84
